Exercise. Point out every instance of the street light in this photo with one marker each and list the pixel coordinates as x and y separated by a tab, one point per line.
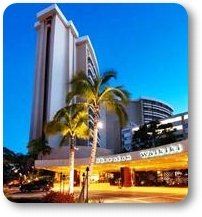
60	181
87	170
83	186
100	125
63	179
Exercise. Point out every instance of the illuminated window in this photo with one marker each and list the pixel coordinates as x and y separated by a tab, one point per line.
179	127
171	120
185	116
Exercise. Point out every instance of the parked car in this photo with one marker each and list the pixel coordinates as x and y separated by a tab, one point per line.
42	185
14	183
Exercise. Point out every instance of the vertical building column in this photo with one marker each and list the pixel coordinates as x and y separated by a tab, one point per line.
127	176
133	177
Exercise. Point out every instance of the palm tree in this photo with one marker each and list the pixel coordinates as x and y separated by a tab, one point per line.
37	146
96	93
152	128
141	139
153	134
167	134
70	122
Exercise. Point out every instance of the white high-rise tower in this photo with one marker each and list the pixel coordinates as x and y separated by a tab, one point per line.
60	54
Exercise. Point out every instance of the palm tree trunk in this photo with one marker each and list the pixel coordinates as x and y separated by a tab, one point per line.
71	166
94	145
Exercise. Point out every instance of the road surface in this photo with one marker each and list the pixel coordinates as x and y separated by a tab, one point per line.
113	195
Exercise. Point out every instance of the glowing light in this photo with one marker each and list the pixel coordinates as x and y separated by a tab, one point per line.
100	125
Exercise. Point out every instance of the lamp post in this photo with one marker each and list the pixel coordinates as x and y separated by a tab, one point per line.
63	182
87	170
83	186
60	181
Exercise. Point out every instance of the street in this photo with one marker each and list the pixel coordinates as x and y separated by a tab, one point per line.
112	194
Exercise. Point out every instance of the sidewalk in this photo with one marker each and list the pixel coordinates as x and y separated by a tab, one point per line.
106	187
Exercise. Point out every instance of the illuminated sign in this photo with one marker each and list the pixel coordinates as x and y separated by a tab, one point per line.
172	149
113	159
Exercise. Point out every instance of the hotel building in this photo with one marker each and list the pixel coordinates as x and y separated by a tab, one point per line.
60	54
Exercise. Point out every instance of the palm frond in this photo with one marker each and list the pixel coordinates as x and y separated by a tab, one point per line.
122	93
82	85
61	114
54	127
64	138
69	121
79	110
79	118
107	76
115	93
82	131
121	113
69	97
79	76
118	108
102	82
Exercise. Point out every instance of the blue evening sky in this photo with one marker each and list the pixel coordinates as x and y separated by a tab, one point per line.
146	43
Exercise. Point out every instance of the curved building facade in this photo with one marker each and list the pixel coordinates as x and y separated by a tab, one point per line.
144	110
141	112
154	110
